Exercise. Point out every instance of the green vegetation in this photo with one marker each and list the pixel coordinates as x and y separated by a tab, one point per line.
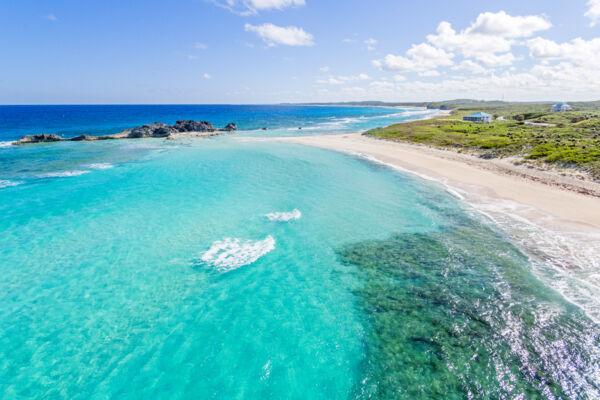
573	140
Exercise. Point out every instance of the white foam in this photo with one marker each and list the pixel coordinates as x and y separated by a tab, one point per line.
100	166
230	254
284	216
7	183
63	174
6	144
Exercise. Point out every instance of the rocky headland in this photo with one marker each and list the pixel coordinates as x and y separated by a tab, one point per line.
155	130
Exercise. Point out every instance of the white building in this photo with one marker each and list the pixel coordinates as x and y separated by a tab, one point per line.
478	117
561	107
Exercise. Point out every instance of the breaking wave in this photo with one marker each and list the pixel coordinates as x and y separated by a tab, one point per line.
100	166
284	216
6	183
230	254
63	174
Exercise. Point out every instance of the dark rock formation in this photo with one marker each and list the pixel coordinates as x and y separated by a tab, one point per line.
39	138
154	130
230	127
193	126
81	138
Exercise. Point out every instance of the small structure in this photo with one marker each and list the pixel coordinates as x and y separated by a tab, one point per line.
558	107
478	117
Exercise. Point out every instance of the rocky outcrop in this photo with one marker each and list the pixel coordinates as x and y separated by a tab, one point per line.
81	138
193	126
154	130
230	127
39	138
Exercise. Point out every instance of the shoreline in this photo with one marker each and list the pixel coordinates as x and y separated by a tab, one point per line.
556	228
569	200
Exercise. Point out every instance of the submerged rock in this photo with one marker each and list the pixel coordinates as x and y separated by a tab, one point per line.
39	138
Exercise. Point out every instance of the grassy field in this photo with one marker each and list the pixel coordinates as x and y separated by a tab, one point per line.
574	141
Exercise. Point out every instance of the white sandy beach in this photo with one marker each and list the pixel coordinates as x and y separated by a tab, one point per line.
569	200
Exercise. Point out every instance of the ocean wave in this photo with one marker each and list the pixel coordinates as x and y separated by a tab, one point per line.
6	144
7	183
284	216
230	254
100	166
63	174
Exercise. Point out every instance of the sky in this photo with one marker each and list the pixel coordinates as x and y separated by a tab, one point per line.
272	51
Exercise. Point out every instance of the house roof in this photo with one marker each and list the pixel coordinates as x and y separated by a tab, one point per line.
480	114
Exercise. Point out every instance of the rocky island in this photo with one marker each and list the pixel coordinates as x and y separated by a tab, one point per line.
155	130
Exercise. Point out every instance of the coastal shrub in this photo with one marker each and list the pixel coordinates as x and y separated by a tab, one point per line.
512	137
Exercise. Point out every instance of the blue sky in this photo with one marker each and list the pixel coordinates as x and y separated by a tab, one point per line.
269	51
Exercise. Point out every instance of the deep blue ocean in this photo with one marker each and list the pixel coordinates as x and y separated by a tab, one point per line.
234	268
69	121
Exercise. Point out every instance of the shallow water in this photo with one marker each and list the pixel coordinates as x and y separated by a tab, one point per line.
233	269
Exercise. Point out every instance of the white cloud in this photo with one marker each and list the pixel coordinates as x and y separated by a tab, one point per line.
490	34
192	57
580	52
370	43
249	7
353	91
51	17
201	46
419	58
274	4
382	85
593	12
497	60
470	66
399	78
429	73
340	80
324	69
330	81
274	35
503	25
206	76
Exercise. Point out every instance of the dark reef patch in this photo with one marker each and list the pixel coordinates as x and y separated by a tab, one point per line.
456	314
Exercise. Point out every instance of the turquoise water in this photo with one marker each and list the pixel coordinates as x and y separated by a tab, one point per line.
237	269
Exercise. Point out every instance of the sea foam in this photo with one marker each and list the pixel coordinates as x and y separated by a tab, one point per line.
284	216
6	183
6	144
232	253
63	174
100	166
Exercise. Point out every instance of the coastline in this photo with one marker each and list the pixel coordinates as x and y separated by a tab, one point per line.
571	202
557	228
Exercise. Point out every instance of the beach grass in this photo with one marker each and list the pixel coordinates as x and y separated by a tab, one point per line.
570	140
